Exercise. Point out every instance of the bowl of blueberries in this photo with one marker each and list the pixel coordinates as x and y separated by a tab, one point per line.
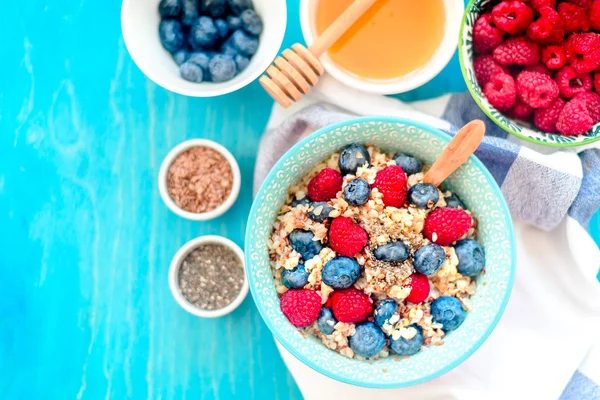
203	48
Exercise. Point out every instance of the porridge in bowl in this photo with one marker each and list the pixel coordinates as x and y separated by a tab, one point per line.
372	261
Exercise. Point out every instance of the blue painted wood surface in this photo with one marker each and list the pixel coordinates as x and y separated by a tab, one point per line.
85	241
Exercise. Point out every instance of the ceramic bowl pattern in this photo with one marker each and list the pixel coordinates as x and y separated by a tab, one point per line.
472	182
523	130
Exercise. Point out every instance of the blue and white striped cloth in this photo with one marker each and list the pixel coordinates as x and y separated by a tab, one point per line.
544	345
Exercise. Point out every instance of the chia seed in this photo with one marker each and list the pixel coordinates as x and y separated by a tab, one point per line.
211	276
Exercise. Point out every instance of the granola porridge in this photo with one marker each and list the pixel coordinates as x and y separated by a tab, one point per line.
372	261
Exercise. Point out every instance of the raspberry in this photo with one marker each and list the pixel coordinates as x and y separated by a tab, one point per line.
581	3
549	28
447	224
537	90
325	185
583	52
574	17
576	118
351	305
546	118
346	237
419	288
592	102
594	15
512	16
519	51
597	82
520	110
571	83
485	68
486	37
501	91
537	4
539	68
391	183
300	306
554	57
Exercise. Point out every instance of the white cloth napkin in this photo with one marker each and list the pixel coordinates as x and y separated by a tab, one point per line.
552	321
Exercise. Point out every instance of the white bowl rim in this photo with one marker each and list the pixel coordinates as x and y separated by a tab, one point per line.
173	154
438	61
204	90
174	275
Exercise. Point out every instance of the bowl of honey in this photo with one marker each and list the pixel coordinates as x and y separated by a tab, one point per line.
396	46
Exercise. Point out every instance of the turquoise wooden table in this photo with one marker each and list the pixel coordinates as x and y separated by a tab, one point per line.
85	241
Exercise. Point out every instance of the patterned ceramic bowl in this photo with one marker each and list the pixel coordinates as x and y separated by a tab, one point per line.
523	130
474	185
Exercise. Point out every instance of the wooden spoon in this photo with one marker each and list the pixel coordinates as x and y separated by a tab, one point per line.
457	152
293	75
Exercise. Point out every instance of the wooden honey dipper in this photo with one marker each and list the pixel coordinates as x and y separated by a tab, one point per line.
299	69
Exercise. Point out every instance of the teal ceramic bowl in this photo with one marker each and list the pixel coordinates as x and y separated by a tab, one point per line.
474	185
520	129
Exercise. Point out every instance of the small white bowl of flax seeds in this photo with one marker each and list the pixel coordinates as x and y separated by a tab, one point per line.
207	276
199	180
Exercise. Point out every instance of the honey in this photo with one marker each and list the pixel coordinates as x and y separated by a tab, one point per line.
391	40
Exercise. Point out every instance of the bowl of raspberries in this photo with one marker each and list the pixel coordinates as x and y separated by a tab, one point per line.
203	48
368	274
533	66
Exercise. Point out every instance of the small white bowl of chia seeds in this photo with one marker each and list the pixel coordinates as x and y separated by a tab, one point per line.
207	276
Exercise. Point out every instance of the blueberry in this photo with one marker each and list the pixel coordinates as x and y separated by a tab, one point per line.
234	22
238	6
241	62
341	272
409	164
357	192
251	22
190	12
228	48
368	340
221	68
319	211
200	58
471	257
393	251
214	8
408	347
191	71
303	201
169	8
203	34
222	28
352	157
449	312
294	278
429	259
326	321
302	241
423	195
384	311
171	35
245	44
180	56
453	201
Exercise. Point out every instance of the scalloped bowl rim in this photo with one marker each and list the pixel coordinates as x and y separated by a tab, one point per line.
257	296
530	137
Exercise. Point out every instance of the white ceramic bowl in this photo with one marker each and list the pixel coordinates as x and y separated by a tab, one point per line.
139	22
174	276
164	169
454	11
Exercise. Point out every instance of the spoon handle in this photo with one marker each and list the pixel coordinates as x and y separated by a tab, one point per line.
456	153
340	26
